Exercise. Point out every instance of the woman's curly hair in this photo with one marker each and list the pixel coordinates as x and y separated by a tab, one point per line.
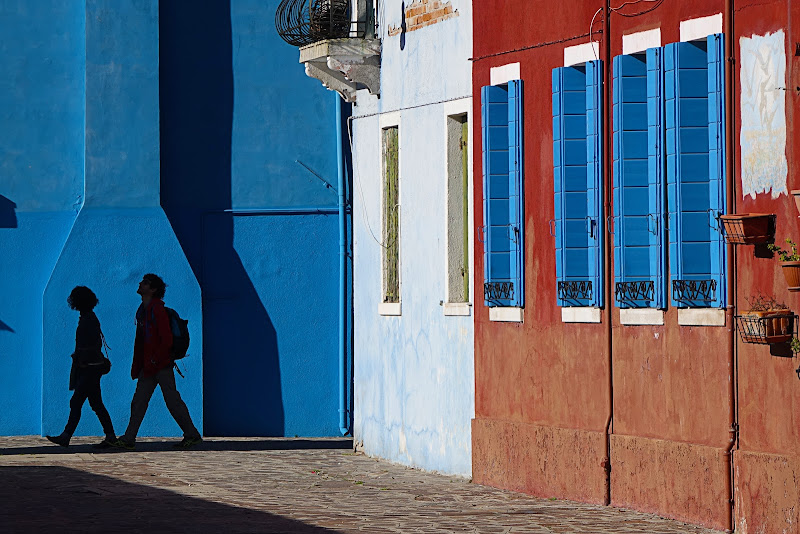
82	299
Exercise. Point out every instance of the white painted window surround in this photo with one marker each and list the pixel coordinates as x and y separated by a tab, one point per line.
389	308
575	55
701	317
580	315
453	108
643	316
633	43
504	74
506	314
389	120
460	309
700	28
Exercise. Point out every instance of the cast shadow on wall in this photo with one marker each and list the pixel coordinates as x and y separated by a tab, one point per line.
241	375
8	215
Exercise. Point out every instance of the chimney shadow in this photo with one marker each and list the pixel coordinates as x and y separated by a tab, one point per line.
241	375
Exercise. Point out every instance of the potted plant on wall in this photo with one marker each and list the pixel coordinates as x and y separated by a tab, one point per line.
766	322
790	263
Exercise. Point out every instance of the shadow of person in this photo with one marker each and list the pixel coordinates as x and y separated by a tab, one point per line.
8	215
241	376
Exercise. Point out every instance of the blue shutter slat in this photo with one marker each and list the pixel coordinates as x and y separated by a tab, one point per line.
716	159
494	123
655	174
515	186
594	178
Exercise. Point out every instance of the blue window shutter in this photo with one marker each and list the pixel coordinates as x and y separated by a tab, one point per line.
636	222
655	172
693	236
716	160
496	199
569	178
594	178
670	97
619	228
515	188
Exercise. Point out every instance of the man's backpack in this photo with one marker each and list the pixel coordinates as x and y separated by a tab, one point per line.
180	334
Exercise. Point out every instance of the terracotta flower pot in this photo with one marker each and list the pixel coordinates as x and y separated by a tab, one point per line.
791	271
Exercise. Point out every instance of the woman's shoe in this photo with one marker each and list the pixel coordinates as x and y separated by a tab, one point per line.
59	440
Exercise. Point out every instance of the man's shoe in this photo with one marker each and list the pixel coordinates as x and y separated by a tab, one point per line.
59	440
188	443
105	444
122	444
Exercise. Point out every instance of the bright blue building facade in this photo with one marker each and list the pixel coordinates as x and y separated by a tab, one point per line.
181	140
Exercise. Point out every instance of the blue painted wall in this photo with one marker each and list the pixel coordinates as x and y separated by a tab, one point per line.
236	115
41	184
192	114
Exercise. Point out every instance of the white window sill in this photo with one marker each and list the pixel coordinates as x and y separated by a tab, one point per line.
389	308
580	315
456	308
701	317
644	316
505	315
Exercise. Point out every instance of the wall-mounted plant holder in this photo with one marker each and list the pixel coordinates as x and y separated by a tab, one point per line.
748	228
796	194
766	327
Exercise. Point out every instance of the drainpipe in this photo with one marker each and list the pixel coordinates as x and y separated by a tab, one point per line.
343	411
733	382
608	249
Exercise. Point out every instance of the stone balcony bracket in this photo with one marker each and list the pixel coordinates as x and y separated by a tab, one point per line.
345	65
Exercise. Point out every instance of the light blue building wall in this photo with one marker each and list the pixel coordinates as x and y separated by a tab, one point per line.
413	374
137	137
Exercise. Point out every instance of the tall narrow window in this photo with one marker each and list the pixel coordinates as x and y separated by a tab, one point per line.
695	148
502	234
577	183
457	209
391	215
639	223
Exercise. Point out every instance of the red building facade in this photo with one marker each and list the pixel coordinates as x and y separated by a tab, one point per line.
659	407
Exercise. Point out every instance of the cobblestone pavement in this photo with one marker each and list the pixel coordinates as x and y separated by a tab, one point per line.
268	485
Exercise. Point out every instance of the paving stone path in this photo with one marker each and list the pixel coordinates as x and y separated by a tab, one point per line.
269	485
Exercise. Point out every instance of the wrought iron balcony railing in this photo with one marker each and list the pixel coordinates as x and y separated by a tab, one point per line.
303	22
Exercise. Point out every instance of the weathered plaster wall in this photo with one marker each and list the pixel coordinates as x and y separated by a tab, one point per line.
670	383
413	374
769	390
543	376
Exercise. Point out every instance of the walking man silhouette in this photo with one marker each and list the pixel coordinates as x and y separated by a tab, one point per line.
153	366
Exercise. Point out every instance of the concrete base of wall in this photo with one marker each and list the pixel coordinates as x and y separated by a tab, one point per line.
678	480
767	494
539	460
